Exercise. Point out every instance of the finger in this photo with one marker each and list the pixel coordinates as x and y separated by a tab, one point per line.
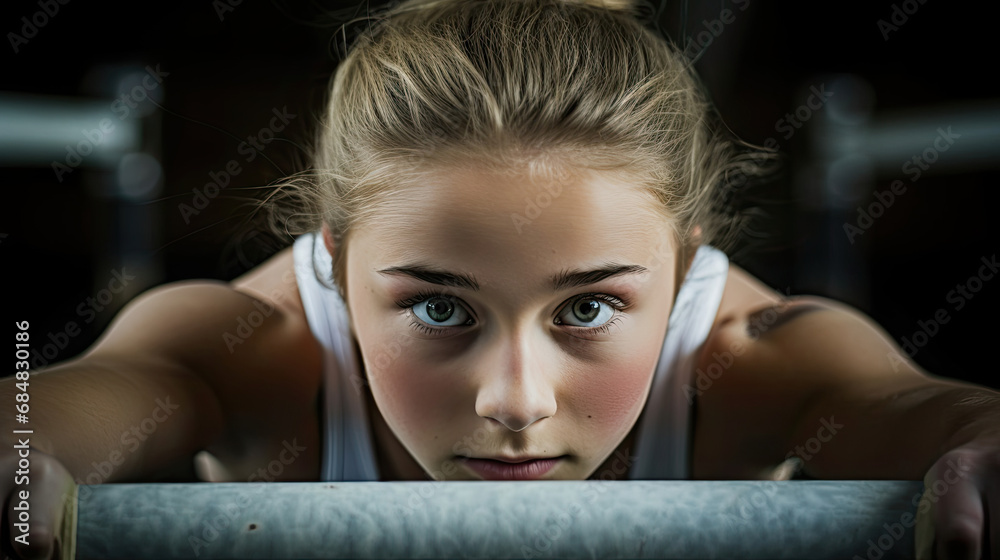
7	467
65	542
47	500
23	513
993	515
956	512
924	531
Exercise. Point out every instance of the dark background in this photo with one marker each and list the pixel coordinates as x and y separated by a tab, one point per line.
226	75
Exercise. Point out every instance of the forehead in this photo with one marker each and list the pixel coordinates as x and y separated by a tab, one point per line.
507	225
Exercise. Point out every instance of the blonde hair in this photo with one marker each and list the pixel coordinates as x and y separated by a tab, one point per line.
545	84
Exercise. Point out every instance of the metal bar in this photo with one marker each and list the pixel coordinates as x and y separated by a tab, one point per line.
889	139
40	129
488	519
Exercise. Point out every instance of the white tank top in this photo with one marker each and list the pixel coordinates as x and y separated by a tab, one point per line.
662	448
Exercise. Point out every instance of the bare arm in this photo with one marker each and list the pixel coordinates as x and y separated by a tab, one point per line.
163	382
886	418
822	382
119	418
892	419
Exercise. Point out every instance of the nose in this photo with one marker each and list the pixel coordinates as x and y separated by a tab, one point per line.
516	387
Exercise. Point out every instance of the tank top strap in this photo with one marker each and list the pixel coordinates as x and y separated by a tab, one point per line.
348	453
663	441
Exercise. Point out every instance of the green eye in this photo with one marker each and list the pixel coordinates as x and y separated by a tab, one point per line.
436	310
586	309
591	310
440	309
597	312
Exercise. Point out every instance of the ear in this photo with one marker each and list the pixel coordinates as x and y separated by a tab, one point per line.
328	240
696	234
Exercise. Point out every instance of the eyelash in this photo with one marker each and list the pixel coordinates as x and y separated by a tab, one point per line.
620	304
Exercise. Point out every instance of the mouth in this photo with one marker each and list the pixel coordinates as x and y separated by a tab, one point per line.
505	468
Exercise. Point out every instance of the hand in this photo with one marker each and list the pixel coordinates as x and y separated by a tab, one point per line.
50	486
958	491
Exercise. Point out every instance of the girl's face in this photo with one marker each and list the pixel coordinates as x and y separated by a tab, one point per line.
500	316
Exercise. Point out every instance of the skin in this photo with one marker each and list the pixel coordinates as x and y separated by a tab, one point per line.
515	382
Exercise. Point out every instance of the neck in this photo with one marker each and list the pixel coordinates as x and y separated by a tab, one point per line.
614	468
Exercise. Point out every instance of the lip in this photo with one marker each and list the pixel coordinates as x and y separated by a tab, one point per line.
511	469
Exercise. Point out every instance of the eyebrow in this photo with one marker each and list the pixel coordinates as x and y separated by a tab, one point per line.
564	279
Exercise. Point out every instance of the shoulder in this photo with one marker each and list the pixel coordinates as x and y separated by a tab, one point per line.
248	341
767	359
225	334
827	335
743	293
272	285
274	281
186	319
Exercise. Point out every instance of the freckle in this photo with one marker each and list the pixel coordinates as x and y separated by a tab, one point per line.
589	416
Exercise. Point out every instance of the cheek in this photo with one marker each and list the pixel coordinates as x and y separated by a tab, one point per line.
612	396
414	397
411	389
612	386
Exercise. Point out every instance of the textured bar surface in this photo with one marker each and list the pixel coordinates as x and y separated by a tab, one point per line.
485	519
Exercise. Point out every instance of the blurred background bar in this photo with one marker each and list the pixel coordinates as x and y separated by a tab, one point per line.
851	149
109	150
898	136
39	129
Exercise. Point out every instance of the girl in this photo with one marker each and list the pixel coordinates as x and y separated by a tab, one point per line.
510	264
